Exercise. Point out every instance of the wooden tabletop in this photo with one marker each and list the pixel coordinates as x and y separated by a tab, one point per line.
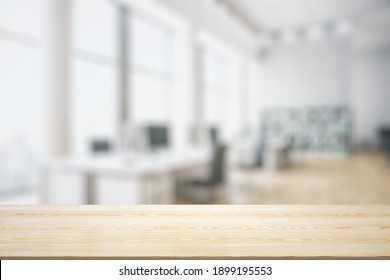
189	231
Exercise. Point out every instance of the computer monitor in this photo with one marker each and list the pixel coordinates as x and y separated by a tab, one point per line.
158	137
99	146
214	137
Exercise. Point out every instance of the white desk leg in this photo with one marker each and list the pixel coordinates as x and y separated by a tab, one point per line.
44	186
170	188
90	188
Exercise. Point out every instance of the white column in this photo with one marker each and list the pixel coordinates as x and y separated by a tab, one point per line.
244	95
57	76
195	86
124	108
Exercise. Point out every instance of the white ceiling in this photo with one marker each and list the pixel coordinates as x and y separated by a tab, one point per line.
280	14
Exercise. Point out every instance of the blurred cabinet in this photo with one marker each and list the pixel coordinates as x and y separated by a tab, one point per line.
153	190
65	188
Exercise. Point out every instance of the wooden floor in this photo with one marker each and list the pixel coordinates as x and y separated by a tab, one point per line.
363	178
195	231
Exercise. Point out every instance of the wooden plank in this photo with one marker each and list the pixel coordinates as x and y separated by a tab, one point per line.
195	231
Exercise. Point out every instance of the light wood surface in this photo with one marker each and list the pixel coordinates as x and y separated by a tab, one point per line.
195	231
362	178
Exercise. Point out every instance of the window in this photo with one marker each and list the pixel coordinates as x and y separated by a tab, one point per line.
151	81
94	104
94	94
214	88
95	87
219	88
21	119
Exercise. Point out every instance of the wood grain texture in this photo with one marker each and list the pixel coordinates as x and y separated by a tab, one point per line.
195	231
362	178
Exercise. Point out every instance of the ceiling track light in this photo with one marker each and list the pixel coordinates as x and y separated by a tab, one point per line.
314	31
343	26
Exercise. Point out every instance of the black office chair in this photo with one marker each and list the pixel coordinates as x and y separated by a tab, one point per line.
384	135
204	190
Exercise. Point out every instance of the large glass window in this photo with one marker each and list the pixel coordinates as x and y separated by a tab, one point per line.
151	44
94	93
151	75
220	101
21	94
214	87
95	75
93	104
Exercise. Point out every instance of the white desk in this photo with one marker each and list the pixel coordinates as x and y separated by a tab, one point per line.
146	179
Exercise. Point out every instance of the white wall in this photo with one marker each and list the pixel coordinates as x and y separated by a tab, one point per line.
370	77
372	95
351	70
308	73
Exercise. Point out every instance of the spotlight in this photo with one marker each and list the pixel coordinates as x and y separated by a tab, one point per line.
288	36
315	32
343	27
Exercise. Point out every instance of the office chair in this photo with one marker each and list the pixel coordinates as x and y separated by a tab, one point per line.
384	135
203	190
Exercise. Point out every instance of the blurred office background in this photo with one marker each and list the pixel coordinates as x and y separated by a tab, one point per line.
184	101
